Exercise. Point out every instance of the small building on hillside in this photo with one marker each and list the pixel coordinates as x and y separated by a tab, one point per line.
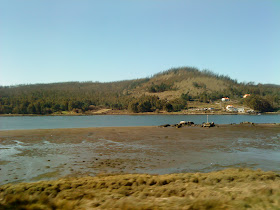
231	108
241	110
225	99
246	95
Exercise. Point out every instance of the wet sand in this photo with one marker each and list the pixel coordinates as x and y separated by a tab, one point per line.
32	155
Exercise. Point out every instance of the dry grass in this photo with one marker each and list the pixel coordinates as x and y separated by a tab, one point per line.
182	82
227	189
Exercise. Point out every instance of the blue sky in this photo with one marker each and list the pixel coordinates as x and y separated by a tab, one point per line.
43	41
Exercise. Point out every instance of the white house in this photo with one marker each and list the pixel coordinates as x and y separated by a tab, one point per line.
225	99
241	110
231	108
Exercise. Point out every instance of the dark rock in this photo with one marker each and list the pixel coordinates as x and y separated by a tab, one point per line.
164	126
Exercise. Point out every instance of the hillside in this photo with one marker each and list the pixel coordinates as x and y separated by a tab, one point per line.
185	80
171	90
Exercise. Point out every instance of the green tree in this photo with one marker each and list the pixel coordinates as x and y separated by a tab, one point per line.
168	107
31	109
133	107
178	104
258	103
186	96
38	108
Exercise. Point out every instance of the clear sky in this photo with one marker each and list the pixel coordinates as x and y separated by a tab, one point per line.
43	41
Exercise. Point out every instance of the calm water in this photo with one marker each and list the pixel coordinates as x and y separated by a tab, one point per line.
47	122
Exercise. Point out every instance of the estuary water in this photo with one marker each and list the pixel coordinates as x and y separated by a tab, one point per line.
51	122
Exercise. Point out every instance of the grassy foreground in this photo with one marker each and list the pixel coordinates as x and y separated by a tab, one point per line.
227	189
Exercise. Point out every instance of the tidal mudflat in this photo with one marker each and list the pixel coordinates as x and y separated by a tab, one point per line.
33	155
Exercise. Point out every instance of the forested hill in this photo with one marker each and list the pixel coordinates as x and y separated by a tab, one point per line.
169	90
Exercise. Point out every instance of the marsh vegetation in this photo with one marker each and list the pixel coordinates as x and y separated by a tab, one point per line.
227	189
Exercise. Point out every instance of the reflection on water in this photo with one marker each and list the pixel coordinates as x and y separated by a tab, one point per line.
47	122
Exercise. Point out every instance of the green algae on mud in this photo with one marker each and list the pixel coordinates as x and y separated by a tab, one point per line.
226	189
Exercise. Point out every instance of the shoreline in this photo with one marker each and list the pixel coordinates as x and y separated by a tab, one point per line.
152	126
146	113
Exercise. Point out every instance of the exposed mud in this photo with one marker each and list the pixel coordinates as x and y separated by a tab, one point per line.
31	155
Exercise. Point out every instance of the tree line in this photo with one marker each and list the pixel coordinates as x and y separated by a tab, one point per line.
86	96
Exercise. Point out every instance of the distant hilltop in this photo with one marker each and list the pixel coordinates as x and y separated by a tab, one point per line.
175	90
